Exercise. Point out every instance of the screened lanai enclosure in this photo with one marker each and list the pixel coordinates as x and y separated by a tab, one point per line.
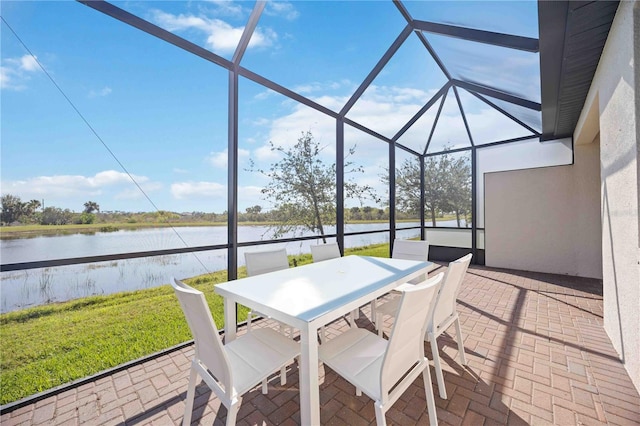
445	94
243	126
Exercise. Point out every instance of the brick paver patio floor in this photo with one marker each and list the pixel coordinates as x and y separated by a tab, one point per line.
536	349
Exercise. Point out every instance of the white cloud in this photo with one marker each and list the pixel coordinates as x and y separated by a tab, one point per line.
489	125
134	193
61	190
6	79
179	22
54	186
317	86
286	130
250	196
29	63
264	95
283	9
113	177
227	8
261	122
223	37
15	72
105	91
219	159
186	190
515	73
265	153
386	109
407	94
220	36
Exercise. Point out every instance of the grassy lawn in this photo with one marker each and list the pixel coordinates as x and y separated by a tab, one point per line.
46	346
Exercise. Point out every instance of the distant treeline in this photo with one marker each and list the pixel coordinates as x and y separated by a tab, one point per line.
15	211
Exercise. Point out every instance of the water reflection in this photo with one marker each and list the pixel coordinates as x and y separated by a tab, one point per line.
22	289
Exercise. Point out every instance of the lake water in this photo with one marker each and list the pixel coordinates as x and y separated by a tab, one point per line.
21	289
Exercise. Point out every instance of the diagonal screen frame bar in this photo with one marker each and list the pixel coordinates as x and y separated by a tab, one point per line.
527	44
473	87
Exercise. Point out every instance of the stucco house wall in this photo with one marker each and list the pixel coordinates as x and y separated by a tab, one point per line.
612	108
546	219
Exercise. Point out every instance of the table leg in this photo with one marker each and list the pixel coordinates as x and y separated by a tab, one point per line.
309	381
230	320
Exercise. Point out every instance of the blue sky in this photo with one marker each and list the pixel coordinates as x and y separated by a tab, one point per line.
158	114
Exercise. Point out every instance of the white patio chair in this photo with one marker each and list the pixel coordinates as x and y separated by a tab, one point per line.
444	314
411	250
320	252
233	369
384	369
408	250
262	262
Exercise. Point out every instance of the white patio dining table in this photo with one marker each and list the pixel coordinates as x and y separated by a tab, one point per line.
310	296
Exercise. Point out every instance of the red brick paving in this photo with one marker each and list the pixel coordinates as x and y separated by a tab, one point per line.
536	348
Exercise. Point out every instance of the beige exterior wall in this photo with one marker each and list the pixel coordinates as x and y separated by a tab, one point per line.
613	108
546	219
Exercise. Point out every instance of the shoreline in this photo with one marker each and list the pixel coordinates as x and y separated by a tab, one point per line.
30	231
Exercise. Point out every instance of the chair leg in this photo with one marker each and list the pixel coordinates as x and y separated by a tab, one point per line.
463	357
431	402
191	394
265	387
232	412
351	319
380	419
436	361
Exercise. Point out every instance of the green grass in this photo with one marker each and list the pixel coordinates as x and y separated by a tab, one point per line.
47	346
44	347
22	231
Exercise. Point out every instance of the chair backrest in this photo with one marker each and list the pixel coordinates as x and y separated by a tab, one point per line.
406	342
208	346
261	262
411	250
445	304
322	252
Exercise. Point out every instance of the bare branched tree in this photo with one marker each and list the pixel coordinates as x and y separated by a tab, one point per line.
302	188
